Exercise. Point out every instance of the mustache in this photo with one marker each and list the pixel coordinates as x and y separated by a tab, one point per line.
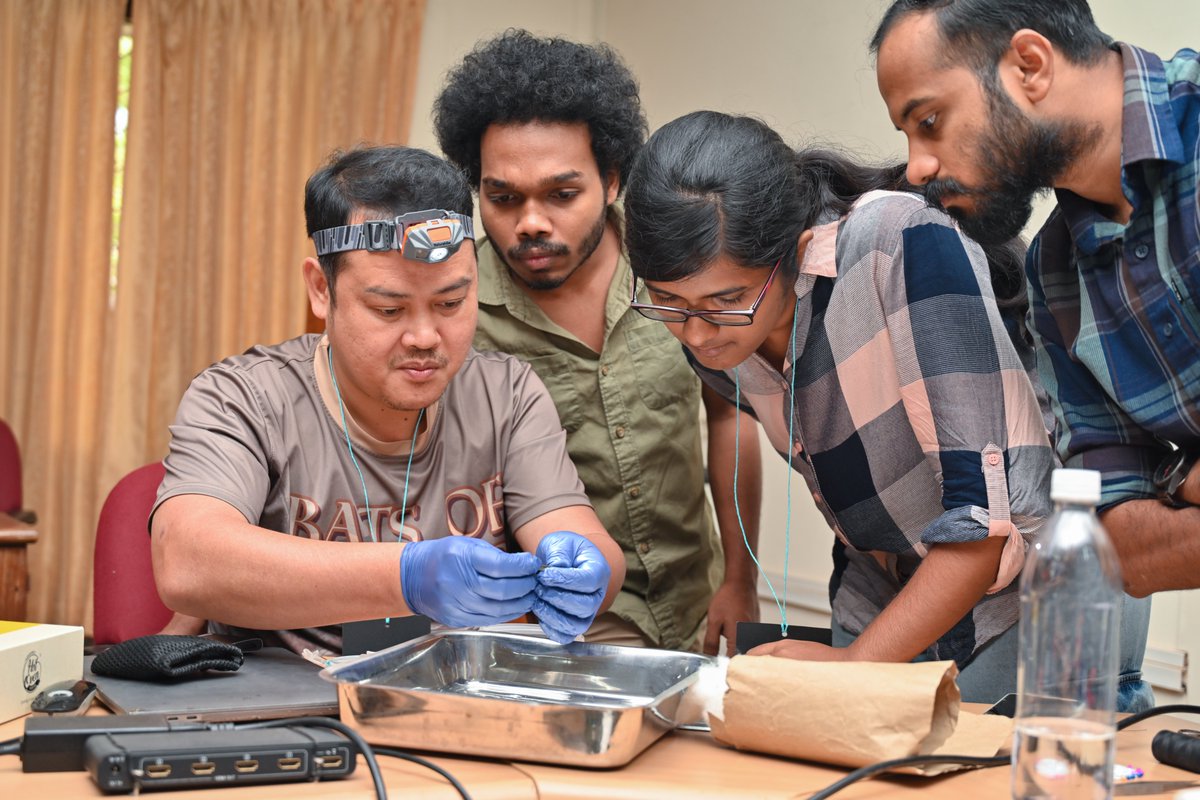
541	247
937	189
427	357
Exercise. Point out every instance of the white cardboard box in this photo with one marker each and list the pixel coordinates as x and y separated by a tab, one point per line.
32	657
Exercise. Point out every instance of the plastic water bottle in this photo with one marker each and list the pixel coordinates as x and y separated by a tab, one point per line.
1071	595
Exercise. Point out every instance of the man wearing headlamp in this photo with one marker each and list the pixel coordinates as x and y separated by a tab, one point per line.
404	465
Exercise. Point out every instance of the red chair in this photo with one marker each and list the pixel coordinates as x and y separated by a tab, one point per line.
10	477
124	596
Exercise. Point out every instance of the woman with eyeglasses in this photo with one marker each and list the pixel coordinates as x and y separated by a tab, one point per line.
860	327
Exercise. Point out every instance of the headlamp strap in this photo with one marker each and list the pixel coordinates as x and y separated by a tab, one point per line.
388	234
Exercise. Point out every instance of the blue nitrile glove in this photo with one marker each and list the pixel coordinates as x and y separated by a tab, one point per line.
571	587
462	581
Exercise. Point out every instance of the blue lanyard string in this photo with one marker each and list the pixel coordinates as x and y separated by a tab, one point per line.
787	527
353	460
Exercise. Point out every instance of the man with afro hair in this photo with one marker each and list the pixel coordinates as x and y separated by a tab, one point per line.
546	130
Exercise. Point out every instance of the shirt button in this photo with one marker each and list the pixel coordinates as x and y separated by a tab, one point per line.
643	547
993	458
604	370
620	432
1168	329
1141	251
635	492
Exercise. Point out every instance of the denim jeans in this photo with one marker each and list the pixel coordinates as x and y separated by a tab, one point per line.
992	673
1133	693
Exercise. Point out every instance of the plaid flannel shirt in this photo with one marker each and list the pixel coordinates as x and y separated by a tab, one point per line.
1114	306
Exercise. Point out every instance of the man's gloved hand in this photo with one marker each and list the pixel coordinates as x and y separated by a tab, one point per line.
571	587
462	581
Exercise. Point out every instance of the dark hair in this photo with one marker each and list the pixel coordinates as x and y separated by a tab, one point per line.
517	77
711	184
382	181
978	32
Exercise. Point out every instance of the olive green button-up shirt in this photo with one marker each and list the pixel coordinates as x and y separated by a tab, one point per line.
631	413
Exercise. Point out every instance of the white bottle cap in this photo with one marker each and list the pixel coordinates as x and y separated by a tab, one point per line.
1075	486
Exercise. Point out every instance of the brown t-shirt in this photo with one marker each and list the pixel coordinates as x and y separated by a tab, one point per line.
257	432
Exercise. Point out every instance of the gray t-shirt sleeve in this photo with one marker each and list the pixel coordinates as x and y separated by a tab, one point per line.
220	443
538	474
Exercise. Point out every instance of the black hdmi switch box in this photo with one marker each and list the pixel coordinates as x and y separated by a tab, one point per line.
125	762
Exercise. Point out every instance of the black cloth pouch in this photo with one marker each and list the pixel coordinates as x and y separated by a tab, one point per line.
164	657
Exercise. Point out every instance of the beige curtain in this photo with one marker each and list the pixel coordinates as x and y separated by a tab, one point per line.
233	104
58	88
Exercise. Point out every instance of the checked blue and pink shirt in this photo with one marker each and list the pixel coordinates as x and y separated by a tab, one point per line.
912	420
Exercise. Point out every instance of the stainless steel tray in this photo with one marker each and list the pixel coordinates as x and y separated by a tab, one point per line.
515	697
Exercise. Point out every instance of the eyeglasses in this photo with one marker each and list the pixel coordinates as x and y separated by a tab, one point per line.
674	314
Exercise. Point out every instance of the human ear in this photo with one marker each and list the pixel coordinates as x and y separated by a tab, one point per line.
318	288
612	187
1029	65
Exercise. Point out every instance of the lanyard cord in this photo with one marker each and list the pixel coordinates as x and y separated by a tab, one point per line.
412	448
737	449
353	460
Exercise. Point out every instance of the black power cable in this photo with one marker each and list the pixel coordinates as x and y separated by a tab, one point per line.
369	753
1178	708
981	762
912	761
388	751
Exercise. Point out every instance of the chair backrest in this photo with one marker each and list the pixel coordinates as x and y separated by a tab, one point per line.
125	598
10	471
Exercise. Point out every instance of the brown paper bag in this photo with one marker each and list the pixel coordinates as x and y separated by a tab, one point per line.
851	713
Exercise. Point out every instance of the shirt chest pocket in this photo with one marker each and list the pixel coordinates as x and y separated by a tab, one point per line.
663	375
555	372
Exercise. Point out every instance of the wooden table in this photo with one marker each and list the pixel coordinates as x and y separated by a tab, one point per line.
15	536
681	765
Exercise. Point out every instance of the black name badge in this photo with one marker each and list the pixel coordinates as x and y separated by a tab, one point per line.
370	635
752	634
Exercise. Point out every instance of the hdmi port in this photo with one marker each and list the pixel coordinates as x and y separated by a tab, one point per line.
157	770
332	762
204	768
289	763
249	765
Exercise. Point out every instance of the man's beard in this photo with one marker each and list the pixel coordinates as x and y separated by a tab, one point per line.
542	246
1020	158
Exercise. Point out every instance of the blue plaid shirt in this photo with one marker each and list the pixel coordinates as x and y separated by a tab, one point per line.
1114	307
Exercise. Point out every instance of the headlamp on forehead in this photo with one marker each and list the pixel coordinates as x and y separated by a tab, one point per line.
431	236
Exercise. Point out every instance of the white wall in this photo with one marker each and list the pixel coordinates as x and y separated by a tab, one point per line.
802	66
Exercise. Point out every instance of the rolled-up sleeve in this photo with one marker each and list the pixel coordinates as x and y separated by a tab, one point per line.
966	393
